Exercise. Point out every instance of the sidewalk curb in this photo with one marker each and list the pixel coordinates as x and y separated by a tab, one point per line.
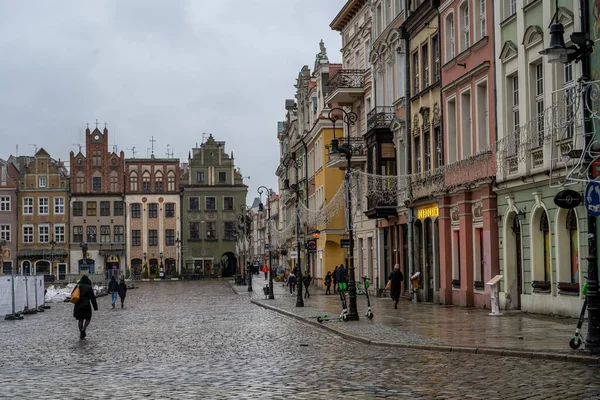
498	352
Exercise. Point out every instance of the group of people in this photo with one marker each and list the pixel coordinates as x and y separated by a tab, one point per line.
338	276
306	280
87	299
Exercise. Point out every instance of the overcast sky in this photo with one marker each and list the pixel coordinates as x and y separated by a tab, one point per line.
171	69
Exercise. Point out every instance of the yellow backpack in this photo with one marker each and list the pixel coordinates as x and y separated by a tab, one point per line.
75	295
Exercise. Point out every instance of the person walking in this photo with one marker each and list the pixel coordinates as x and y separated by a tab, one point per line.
341	274
396	278
266	271
292	282
122	290
335	279
113	289
307	282
328	282
83	308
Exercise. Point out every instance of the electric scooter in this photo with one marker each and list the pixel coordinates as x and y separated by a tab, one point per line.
576	340
369	313
342	288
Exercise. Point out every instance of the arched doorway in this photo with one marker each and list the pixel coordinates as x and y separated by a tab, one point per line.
136	268
26	267
228	263
418	253
428	279
42	267
513	267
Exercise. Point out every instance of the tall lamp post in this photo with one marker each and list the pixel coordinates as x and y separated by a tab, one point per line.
291	161
261	208
244	221
558	52
350	119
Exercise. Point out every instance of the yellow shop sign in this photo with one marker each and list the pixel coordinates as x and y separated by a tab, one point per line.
428	211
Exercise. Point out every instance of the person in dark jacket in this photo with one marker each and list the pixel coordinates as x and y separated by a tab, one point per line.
113	288
122	290
292	282
328	282
83	309
341	274
396	278
334	275
307	281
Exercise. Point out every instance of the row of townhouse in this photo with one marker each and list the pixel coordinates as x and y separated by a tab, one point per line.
109	214
452	101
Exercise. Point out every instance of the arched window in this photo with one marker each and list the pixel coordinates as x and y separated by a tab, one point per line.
171	181
158	181
465	28
133	181
146	182
545	229
450	47
574	245
114	182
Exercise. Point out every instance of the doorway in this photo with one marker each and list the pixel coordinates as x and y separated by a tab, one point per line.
516	293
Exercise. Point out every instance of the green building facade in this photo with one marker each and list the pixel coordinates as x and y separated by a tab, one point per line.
212	196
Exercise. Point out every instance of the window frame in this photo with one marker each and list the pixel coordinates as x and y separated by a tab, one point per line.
6	232
77	237
153	237
28	206
91	233
118	208
105	234
225	203
119	233
152	210
26	235
214	201
136	237
91	208
43	238
60	237
42	207
104	208
169	237
136	210
5	204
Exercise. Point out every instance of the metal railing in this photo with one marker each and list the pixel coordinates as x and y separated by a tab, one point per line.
380	116
346	78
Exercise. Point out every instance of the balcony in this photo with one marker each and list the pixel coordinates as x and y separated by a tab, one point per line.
346	86
427	184
380	117
468	171
382	197
355	146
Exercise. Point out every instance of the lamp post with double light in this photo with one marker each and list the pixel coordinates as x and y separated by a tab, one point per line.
349	118
291	161
261	209
558	52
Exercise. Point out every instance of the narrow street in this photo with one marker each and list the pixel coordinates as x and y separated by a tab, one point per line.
202	340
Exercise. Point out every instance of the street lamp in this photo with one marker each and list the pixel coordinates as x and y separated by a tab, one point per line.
52	244
261	208
291	161
178	243
161	270
349	118
557	52
244	221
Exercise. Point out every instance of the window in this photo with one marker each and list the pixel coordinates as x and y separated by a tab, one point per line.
451	129
77	208
425	65
91	208
388	12
146	182
427	150
400	77
415	64
96	158
479	256
418	166
515	140
158	182
59	205
135	210
133	181
227	203
5	232
105	208
367	54
118	208
91	234
211	230
465	119
136	237
43	207
43	233
222	177
574	245
482	19
153	210
28	234
210	203
538	70
378	21
42	182
570	102
119	231
77	234
79	182
389	83
28	206
435	48
105	234
229	231
171	181
96	184
169	210
194	231
170	237
5	203
114	182
200	177
152	237
466	32
512	7
439	146
545	229
59	233
194	203
450	46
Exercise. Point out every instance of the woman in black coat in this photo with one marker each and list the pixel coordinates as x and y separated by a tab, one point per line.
396	278
122	290
83	309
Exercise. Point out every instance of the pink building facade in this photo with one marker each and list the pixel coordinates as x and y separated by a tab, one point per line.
467	211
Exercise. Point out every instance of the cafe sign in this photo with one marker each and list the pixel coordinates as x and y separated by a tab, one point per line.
428	211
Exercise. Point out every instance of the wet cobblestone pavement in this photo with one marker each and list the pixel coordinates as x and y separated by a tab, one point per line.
188	340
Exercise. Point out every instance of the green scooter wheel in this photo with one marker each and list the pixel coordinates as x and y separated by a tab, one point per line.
369	315
574	343
319	319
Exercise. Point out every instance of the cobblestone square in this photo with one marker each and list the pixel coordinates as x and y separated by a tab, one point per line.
187	340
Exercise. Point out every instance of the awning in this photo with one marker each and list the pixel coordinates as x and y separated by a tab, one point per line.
42	253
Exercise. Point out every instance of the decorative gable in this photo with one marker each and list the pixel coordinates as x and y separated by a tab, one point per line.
533	35
509	51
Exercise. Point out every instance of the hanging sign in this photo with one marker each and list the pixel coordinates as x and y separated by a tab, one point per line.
345	243
567	199
428	211
592	198
311	245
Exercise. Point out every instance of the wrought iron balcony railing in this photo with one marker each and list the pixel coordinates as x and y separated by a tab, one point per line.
427	184
346	78
355	145
380	116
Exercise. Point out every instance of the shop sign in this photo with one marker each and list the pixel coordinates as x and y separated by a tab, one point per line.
428	211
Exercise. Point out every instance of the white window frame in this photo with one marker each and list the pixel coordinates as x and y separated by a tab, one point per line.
5	205
59	205
59	237
26	236
465	41
512	8
27	205
482	19
477	257
515	114
5	232
464	135
451	47
43	209
44	237
538	70
367	54
482	104
42	182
